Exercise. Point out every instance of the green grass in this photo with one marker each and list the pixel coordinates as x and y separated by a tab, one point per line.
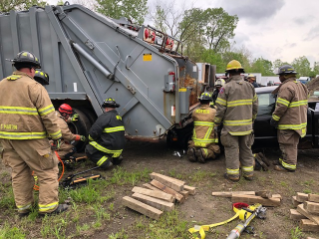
119	235
296	233
11	232
7	200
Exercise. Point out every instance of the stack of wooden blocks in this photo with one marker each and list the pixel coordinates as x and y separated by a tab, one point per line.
263	197
307	211
159	195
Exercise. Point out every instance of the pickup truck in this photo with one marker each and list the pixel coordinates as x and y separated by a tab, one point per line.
265	134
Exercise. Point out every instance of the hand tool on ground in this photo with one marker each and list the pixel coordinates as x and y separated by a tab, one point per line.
242	210
259	212
70	181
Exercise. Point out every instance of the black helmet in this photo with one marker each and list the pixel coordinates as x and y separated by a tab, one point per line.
205	97
286	69
41	77
27	59
110	102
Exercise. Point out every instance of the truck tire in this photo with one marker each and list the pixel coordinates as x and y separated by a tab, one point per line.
81	127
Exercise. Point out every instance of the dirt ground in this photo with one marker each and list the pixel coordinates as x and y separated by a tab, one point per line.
203	208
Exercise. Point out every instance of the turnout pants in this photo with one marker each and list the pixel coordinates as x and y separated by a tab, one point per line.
238	152
25	156
288	142
100	158
208	152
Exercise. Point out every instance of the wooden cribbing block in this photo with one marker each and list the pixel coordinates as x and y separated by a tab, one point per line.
173	183
313	197
155	194
154	202
310	216
301	197
308	226
192	190
295	202
264	194
310	238
179	197
149	186
311	207
228	194
277	196
295	215
143	208
250	199
185	193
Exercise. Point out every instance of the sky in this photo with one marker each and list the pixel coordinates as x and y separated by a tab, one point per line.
272	29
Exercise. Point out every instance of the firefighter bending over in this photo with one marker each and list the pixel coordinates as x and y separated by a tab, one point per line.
64	115
26	119
204	142
237	106
289	117
106	137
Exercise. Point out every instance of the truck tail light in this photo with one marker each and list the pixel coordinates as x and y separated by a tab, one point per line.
172	74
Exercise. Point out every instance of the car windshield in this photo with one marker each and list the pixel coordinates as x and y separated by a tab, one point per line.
266	103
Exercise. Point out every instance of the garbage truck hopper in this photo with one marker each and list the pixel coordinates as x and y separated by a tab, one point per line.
90	57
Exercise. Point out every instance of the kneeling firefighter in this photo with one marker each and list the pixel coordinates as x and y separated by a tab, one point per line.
204	142
106	137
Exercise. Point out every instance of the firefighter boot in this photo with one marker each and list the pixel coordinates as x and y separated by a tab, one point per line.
200	155
191	155
281	168
232	178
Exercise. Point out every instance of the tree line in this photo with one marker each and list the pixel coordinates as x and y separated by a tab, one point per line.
207	34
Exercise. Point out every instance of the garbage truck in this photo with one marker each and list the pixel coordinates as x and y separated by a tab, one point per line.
90	57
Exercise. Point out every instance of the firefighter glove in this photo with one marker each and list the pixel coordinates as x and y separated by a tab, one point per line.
56	144
75	117
274	123
82	138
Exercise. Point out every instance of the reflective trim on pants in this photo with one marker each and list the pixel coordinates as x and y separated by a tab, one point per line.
286	165
232	171
44	208
102	160
24	207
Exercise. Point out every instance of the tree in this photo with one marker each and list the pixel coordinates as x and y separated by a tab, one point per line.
135	10
90	4
219	28
302	66
262	66
8	5
60	2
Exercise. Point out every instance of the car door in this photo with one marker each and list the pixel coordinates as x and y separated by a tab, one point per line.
265	134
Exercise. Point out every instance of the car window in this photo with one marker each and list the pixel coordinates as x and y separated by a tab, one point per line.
266	103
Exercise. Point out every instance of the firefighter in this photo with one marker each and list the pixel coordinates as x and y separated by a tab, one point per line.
218	84
237	105
106	137
289	117
204	142
26	119
64	115
252	80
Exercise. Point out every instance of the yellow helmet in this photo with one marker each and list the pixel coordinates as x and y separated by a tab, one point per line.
234	65
251	76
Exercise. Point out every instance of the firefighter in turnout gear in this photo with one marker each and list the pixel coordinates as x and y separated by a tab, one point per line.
27	118
106	137
66	149
237	105
289	117
218	85
204	142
